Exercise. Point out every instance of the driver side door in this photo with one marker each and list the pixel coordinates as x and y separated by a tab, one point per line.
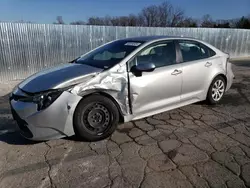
160	90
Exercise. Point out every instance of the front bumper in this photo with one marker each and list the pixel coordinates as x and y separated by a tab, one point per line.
56	121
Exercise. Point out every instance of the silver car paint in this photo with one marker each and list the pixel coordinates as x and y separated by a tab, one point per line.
53	122
51	78
197	76
155	90
153	93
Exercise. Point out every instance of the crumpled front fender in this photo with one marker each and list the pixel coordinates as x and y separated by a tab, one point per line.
113	82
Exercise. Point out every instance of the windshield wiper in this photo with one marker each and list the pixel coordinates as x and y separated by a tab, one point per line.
75	60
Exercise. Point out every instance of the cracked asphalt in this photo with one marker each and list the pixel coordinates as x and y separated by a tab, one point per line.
193	146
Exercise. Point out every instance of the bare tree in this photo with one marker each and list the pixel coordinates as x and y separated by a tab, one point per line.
207	21
140	20
22	21
119	21
243	23
123	21
114	21
59	20
176	17
107	20
165	10
150	15
163	15
78	23
187	22
132	20
222	24
95	21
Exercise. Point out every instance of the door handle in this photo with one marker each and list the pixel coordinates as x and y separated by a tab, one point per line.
176	72
208	64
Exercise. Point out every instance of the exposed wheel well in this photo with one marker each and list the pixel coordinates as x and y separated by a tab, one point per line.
121	118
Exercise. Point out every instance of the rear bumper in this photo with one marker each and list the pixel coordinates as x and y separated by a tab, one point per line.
56	121
230	76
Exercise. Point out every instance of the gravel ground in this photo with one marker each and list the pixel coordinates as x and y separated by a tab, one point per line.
193	146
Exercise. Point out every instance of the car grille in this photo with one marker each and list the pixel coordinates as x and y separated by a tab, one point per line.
17	97
20	95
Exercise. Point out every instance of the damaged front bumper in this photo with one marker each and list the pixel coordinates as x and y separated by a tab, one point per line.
56	121
42	122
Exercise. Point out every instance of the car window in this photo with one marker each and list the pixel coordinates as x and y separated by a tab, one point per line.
106	55
110	54
161	54
192	51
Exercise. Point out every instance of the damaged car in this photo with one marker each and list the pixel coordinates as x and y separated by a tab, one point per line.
118	82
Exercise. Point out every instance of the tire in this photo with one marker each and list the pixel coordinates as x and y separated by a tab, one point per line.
96	117
215	94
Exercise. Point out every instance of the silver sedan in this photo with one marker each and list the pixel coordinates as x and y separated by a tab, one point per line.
121	81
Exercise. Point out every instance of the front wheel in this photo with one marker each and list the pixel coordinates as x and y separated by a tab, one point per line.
216	90
96	117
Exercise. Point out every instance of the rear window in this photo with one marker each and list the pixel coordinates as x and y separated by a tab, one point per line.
192	51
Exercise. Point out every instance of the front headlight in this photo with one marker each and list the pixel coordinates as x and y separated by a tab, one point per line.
43	100
46	99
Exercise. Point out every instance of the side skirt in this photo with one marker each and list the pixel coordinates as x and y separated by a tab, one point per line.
134	117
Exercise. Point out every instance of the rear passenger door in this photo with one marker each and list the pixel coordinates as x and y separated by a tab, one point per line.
197	65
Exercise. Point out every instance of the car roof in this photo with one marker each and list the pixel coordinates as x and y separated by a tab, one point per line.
155	37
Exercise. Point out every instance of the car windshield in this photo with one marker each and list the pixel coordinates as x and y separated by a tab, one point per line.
110	54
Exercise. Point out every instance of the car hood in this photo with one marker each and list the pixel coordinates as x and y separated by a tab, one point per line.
61	75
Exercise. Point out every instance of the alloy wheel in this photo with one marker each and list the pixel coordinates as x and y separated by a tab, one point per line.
218	90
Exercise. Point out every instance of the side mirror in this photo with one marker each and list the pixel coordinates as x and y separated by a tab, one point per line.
143	67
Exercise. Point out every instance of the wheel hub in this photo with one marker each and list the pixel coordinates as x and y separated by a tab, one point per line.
97	118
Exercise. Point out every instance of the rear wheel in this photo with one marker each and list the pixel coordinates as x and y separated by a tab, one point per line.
216	90
96	117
